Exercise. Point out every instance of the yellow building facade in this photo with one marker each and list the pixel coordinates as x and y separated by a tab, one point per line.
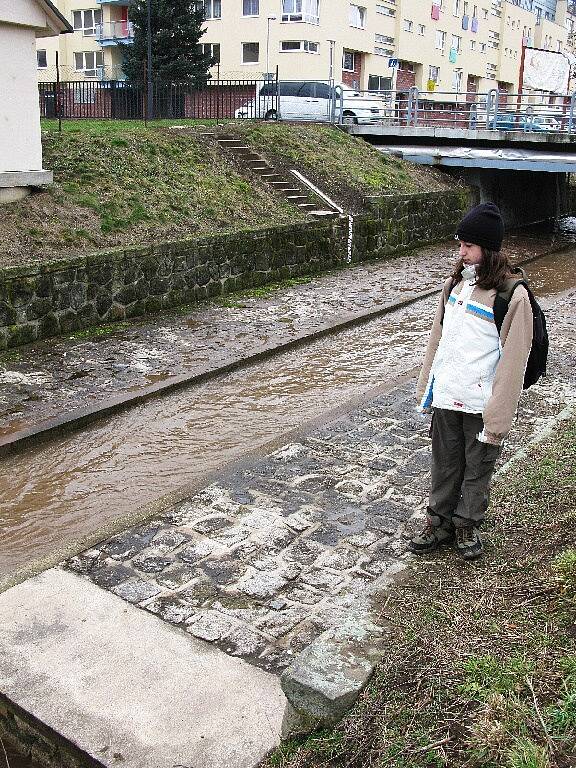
440	46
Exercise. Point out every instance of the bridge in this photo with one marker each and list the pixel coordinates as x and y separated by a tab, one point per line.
516	150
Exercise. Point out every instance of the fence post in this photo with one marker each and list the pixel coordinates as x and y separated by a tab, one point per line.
571	115
341	101
492	98
413	98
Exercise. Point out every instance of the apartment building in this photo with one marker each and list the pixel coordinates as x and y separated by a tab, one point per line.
93	51
436	45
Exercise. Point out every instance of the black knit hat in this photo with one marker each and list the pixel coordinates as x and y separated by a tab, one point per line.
482	226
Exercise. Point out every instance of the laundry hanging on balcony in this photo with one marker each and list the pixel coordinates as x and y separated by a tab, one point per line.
474	24
465	21
453	55
435	11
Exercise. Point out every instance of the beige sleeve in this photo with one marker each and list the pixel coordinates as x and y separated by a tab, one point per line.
433	341
516	339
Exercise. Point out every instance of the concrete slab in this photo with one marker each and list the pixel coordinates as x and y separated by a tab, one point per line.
126	687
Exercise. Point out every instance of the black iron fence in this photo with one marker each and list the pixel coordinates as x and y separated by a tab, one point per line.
122	100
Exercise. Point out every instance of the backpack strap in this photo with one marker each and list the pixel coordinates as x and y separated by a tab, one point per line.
504	296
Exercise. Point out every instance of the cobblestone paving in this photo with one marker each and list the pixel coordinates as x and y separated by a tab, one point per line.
42	380
263	562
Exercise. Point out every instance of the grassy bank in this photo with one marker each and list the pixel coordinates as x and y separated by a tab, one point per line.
481	668
122	183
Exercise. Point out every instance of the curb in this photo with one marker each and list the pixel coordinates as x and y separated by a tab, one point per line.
80	417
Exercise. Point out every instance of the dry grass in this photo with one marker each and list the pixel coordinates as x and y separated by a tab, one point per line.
481	670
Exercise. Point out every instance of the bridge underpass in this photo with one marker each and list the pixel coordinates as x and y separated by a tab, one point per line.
526	174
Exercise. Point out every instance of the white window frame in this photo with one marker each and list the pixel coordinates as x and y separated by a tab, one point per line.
421	29
88	30
383	10
457	78
250	4
408	25
89	71
307	11
250	63
306	46
440	40
208	49
456	8
432	70
38	65
458	46
345	53
212	9
357	16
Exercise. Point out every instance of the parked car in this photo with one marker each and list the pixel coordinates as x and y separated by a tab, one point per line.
313	100
512	121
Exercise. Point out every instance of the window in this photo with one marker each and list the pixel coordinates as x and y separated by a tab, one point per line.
288	46
440	40
408	25
482	47
357	16
421	29
250	7
250	53
41	59
385	39
212	50
434	74
86	21
385	11
212	9
472	45
377	83
301	10
456	8
455	44
457	80
87	62
349	61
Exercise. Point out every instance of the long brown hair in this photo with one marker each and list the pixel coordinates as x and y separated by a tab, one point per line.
492	271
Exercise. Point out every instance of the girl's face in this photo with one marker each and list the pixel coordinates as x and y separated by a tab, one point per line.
470	253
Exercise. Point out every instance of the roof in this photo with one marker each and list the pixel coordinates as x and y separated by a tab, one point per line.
61	24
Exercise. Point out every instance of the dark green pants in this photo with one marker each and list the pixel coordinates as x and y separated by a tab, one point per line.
462	468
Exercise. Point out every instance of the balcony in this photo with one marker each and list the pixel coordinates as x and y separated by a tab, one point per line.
113	32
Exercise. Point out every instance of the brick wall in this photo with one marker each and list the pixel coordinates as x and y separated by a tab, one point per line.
353	78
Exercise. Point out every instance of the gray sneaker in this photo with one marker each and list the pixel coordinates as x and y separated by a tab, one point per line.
430	538
468	542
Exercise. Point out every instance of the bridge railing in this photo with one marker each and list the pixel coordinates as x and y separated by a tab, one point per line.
493	111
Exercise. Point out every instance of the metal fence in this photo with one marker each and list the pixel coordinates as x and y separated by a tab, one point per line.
123	100
310	100
492	111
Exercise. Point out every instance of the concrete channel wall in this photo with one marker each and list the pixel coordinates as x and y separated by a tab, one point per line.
71	294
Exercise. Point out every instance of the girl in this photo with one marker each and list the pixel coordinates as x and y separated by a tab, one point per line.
471	379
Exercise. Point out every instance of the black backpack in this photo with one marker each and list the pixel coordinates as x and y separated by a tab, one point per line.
536	366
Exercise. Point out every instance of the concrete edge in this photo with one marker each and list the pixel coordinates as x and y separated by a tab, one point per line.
24	438
18	727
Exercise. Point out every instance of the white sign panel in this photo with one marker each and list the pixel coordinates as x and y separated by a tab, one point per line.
546	71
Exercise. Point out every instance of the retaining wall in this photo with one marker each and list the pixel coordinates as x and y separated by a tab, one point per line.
67	295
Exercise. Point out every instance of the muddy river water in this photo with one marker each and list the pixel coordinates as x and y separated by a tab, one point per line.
67	488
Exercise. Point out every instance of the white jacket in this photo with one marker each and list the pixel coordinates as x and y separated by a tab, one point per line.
464	366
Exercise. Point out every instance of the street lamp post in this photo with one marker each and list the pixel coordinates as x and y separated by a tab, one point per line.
270	18
149	87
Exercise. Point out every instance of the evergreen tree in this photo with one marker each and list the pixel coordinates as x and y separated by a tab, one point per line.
176	27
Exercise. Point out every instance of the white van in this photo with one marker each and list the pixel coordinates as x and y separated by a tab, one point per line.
314	100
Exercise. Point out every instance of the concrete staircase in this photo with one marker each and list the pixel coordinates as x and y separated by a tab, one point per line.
288	186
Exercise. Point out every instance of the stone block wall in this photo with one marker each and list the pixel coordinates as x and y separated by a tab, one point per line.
67	295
